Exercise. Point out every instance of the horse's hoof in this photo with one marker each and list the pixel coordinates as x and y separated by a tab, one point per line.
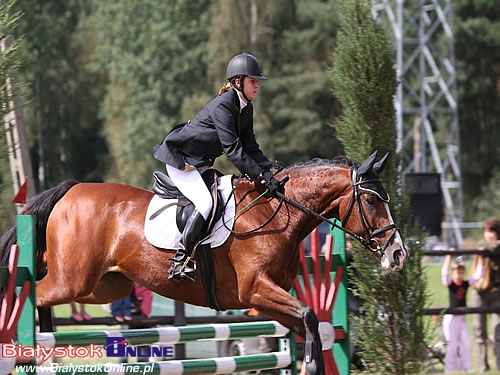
311	368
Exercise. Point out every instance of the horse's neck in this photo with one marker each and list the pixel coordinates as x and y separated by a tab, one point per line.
319	189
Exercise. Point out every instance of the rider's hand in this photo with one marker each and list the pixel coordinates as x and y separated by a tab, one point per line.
274	166
272	184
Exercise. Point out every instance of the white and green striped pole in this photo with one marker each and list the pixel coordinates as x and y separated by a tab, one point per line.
223	365
166	335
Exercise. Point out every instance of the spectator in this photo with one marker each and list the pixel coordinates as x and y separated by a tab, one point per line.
455	326
486	293
121	309
145	297
79	316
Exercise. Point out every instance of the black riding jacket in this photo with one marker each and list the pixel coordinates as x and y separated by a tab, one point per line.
217	128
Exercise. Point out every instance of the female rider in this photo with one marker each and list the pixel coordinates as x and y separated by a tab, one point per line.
225	125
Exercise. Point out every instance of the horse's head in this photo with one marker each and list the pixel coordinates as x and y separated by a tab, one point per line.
366	213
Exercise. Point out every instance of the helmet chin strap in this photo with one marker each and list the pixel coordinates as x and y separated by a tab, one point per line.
241	88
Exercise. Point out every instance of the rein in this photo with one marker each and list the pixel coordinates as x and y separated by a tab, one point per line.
248	206
296	204
319	216
224	223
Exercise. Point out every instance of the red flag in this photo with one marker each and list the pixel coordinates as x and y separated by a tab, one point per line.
21	194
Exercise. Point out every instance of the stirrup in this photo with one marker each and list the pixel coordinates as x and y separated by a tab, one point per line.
180	271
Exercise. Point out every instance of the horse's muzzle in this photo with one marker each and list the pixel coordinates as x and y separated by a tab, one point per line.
393	258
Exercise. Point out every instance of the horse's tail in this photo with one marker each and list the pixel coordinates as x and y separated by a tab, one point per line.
40	206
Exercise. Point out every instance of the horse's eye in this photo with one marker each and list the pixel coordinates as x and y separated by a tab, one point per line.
370	201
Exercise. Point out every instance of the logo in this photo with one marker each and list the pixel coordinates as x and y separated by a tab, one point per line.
39	351
119	347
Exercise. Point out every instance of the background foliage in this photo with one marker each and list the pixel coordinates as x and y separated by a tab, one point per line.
10	61
106	80
477	48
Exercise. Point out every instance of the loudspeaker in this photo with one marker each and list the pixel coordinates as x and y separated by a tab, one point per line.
425	200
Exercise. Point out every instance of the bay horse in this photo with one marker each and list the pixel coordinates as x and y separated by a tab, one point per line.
91	246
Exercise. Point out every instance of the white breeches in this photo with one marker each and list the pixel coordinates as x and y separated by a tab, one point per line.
190	183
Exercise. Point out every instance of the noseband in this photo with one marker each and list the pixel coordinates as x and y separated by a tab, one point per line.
369	241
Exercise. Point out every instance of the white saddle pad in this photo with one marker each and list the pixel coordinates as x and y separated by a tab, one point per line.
162	231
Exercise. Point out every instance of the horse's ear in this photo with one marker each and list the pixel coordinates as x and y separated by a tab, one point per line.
367	164
379	166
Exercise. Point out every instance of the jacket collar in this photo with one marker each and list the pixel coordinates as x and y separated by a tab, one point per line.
239	101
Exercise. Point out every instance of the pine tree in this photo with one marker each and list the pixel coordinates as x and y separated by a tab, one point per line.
364	82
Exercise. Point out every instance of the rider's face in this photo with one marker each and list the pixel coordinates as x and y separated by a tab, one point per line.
251	87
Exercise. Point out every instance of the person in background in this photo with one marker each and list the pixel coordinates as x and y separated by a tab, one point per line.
455	326
79	316
145	297
122	309
486	293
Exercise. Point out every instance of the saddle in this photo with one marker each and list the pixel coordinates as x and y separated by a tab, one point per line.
164	187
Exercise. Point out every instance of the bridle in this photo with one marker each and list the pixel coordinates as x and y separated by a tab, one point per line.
370	242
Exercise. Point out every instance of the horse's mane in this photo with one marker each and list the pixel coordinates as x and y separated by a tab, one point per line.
339	161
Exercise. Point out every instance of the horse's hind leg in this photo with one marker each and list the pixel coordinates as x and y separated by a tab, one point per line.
50	292
112	287
274	302
68	277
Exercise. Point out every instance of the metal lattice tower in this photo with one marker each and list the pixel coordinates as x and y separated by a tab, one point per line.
426	100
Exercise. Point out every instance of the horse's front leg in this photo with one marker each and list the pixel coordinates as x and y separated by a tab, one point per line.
274	302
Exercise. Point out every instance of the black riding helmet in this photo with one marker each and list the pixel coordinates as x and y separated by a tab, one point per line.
243	65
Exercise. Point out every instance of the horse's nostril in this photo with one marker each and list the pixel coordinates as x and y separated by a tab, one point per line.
396	257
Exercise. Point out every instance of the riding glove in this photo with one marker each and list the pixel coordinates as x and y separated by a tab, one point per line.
272	184
273	165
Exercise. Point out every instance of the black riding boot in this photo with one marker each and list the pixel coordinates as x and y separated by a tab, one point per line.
190	236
